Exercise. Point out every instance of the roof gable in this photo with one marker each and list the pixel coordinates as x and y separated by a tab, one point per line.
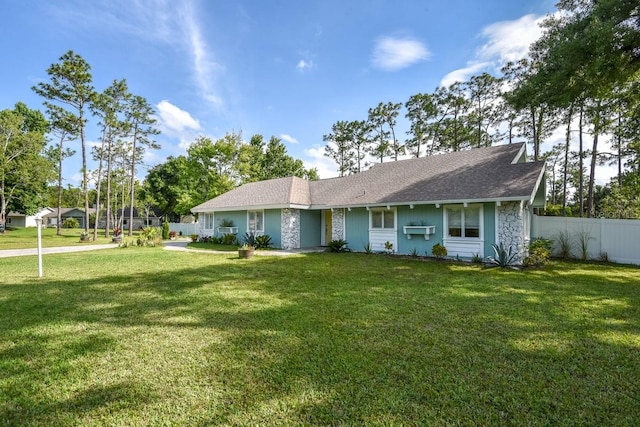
273	193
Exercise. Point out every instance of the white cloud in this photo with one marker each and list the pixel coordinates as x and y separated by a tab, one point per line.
172	118
325	166
177	123
504	41
288	138
172	23
510	40
205	69
304	65
76	178
141	18
394	53
463	74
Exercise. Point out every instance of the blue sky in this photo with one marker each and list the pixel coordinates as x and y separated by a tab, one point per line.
285	68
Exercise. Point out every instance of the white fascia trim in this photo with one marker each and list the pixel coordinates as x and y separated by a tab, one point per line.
250	208
432	202
538	182
496	226
523	150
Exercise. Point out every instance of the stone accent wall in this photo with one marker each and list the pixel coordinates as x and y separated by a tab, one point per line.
337	224
511	227
290	228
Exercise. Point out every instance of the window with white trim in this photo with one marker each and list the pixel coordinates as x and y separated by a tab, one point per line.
383	218
464	222
255	221
208	221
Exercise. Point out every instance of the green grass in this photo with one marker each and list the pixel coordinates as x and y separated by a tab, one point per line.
219	247
213	246
151	337
26	237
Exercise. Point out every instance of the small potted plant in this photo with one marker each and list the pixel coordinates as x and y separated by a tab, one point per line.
246	251
117	235
194	237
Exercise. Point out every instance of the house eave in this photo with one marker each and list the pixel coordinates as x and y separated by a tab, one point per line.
539	182
522	152
250	208
525	197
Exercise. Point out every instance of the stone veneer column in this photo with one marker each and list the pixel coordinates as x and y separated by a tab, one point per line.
290	228
510	227
337	224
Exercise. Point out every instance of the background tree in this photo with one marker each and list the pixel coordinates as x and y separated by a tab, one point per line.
484	99
339	146
537	118
212	168
421	111
382	120
380	146
109	107
71	85
360	143
24	171
271	160
453	131
140	119
63	127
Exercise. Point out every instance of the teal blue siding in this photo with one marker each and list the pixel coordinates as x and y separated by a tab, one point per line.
310	228
239	219
272	226
489	228
419	215
357	228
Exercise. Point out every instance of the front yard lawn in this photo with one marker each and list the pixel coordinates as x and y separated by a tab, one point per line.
26	238
142	336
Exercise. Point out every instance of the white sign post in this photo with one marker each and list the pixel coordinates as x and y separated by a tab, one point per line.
39	226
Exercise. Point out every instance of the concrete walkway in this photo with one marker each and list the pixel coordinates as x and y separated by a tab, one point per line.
181	245
172	245
59	250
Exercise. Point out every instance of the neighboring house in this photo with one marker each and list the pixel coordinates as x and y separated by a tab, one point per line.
140	218
15	219
75	213
466	201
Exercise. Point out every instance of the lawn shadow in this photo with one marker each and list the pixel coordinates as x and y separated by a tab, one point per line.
93	400
354	338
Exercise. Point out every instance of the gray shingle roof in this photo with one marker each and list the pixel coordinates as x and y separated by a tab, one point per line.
280	192
64	211
472	175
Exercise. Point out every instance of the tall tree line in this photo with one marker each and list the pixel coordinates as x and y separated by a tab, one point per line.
126	124
453	118
25	167
581	77
211	168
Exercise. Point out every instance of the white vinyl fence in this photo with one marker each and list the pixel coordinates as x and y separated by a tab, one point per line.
187	229
619	239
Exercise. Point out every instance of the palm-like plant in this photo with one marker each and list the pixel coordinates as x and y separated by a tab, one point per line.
504	258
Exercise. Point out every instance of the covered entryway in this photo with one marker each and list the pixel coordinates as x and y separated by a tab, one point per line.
327	227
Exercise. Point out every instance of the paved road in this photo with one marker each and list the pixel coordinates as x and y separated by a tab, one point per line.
181	245
62	249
